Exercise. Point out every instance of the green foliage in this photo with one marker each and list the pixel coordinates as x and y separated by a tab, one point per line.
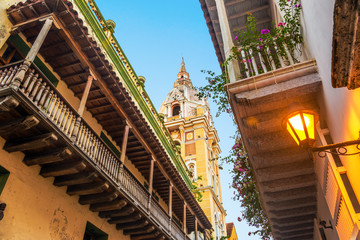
281	40
198	194
245	190
215	90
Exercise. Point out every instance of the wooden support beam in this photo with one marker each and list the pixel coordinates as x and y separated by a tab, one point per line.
125	211
151	175
124	143
87	188
73	64
30	143
85	95
133	225
18	125
63	169
184	218
196	229
91	100
170	200
132	218
77	178
98	198
138	231
99	107
154	235
7	103
107	206
39	40
48	157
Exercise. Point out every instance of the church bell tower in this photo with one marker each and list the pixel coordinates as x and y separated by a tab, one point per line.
189	122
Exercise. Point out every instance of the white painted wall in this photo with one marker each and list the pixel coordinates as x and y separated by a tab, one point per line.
340	105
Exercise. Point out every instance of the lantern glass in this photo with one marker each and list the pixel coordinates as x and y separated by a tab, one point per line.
301	127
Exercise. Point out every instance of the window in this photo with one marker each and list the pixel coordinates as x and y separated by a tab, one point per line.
4	174
176	110
192	170
94	233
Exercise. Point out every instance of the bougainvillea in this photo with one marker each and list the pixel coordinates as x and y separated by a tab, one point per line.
280	40
245	191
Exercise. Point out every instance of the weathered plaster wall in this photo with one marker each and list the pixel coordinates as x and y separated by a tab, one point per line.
340	106
36	209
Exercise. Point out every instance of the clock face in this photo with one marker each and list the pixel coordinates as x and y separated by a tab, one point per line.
189	136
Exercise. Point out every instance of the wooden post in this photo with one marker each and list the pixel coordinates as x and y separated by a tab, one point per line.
32	53
124	143
170	205
151	177
184	219
196	229
85	95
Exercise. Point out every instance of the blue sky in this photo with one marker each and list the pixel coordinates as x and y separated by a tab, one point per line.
155	35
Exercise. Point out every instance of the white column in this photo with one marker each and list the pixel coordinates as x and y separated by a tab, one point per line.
233	68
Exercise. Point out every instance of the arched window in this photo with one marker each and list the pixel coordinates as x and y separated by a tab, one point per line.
192	169
176	110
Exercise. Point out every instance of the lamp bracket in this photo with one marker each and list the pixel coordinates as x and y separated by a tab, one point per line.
337	148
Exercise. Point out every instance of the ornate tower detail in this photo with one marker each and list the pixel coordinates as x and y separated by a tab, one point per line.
189	121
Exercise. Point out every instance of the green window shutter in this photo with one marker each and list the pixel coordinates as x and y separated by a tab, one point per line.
24	49
110	145
4	174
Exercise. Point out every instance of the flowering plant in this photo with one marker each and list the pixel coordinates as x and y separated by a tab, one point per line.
266	46
245	191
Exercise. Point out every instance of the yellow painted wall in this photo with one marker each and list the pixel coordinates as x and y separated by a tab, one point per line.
38	210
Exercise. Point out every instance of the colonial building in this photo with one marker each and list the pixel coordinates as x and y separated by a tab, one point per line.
84	154
309	192
231	231
190	124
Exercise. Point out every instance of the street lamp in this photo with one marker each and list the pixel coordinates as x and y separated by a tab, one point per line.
300	123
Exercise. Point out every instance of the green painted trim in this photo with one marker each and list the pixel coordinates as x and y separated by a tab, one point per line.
110	144
100	34
4	175
24	49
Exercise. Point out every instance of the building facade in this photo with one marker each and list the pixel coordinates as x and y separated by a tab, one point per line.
304	196
84	154
190	124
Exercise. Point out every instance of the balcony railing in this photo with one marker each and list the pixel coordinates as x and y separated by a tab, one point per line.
260	60
344	216
42	94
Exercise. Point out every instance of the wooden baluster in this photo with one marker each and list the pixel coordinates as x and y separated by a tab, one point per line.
39	94
75	130
29	89
81	134
253	62
243	60
262	62
277	52
50	102
3	74
288	55
68	124
83	142
53	111
72	122
62	115
12	75
35	89
270	59
58	113
96	149
8	74
44	97
87	142
101	154
91	145
64	119
28	79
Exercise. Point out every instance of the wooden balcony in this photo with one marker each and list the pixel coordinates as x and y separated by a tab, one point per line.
284	172
54	135
37	120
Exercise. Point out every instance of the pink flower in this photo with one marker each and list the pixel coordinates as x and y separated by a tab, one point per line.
265	31
249	13
281	24
236	37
